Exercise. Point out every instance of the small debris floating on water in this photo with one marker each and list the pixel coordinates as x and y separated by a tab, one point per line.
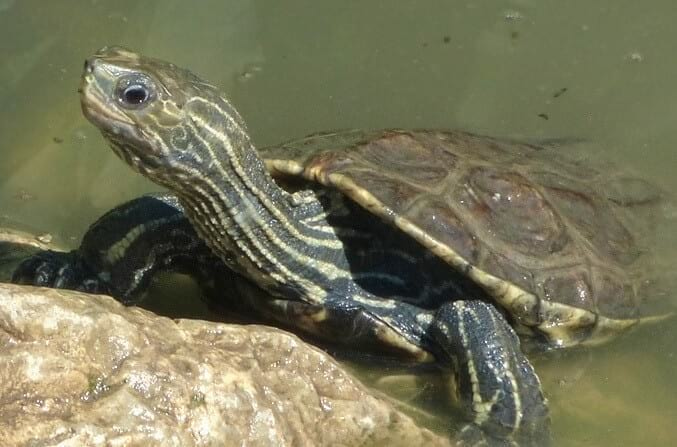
80	135
634	56
544	116
512	16
249	72
560	92
24	195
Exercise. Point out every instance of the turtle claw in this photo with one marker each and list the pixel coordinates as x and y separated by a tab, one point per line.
58	270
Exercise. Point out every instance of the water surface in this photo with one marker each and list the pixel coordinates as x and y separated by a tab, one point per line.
603	71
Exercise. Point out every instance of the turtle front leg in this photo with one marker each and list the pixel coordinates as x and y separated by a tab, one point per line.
123	250
59	270
494	379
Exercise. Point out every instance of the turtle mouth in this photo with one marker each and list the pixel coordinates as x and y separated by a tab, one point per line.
97	108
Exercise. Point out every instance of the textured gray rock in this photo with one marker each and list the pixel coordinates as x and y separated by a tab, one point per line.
79	369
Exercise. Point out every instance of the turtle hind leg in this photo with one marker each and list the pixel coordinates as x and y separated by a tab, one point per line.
494	378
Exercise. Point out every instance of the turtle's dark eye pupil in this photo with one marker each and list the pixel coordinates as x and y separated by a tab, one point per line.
135	95
134	91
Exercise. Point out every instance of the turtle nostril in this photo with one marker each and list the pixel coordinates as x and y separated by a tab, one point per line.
89	66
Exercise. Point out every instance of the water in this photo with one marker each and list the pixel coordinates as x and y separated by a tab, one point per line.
603	71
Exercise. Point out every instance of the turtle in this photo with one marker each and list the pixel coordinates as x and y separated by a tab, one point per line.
425	245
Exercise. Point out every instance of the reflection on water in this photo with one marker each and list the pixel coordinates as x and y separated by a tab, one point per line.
602	71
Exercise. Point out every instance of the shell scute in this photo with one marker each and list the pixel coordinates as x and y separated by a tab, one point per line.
407	159
570	286
587	213
508	211
506	206
440	221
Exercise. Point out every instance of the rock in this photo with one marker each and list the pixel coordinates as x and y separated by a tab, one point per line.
78	369
15	246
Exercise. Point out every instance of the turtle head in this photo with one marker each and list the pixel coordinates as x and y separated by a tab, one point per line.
152	111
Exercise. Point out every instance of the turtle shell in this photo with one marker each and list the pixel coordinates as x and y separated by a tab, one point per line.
555	242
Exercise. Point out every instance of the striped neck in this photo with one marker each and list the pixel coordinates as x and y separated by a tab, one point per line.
180	132
279	240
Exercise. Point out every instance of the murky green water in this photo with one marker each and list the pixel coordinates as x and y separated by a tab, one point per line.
603	71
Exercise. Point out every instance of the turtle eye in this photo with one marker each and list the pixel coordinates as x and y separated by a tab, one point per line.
135	94
134	91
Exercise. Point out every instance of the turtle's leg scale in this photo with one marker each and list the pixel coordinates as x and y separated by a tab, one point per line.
494	378
123	250
497	385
